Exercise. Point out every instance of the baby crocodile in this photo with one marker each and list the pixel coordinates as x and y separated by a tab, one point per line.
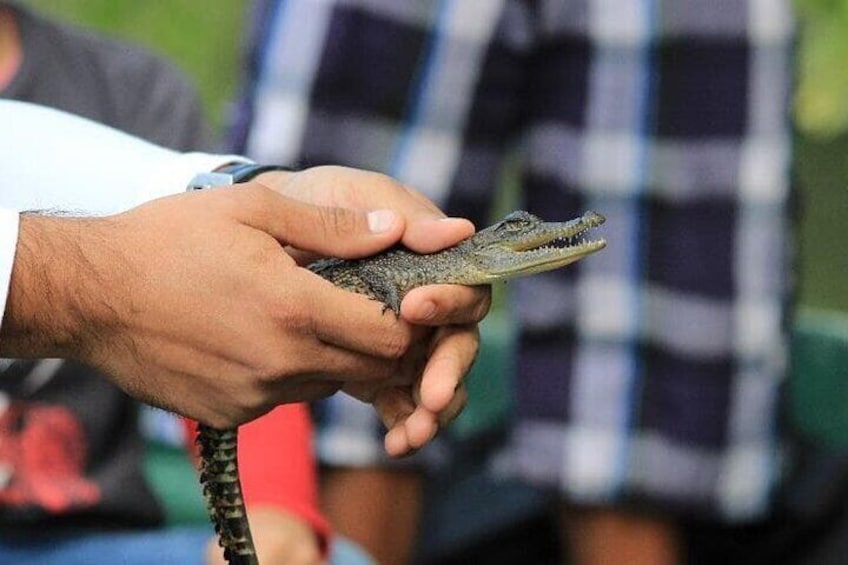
520	244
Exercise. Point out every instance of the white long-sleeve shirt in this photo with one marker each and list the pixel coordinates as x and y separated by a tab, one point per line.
51	160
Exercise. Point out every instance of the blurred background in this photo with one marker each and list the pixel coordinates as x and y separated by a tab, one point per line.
203	39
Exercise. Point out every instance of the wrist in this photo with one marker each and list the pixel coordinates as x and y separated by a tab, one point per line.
233	173
274	178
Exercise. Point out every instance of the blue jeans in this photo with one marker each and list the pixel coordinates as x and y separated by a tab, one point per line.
170	546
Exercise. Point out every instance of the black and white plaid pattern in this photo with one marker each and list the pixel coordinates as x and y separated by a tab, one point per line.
651	372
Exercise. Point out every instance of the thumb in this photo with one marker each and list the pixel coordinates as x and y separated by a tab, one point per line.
325	230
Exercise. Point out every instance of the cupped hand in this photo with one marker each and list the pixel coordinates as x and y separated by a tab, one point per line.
414	409
429	393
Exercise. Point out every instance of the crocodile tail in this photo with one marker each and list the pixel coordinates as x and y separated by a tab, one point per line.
222	490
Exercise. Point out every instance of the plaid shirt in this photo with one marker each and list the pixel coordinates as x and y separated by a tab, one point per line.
649	373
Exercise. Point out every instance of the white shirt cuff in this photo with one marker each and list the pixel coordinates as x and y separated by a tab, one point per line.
174	175
9	221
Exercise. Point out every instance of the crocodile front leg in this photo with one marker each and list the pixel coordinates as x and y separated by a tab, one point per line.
219	476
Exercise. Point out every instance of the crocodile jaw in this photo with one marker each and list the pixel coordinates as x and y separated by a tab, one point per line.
544	247
497	267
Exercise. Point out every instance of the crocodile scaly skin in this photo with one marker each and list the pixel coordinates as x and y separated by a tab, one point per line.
222	490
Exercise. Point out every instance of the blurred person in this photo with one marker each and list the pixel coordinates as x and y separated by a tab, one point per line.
48	402
650	377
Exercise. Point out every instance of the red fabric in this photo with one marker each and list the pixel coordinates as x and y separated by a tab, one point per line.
277	466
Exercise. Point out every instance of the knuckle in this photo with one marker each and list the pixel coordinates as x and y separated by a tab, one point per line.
276	367
397	345
337	220
382	179
253	396
291	313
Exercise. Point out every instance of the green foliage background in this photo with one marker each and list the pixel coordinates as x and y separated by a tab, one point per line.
203	38
821	114
822	101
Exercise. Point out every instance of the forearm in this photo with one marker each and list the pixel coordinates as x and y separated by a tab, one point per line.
8	239
60	162
56	287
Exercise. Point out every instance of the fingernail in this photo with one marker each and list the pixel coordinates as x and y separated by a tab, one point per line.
380	221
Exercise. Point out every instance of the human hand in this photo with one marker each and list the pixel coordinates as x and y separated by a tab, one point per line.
279	537
427	229
190	302
412	410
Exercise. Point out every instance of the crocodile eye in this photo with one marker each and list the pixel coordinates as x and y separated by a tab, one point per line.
516	222
507	227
